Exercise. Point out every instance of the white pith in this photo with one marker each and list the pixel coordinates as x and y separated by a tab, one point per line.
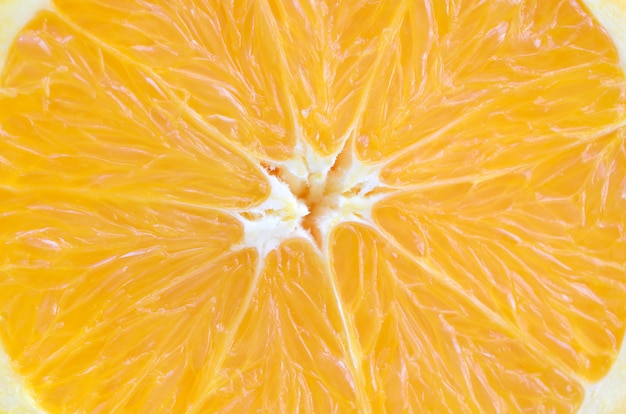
308	199
274	221
14	15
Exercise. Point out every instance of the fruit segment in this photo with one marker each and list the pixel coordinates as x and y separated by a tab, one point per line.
81	120
223	56
489	88
543	250
290	353
426	348
267	74
120	305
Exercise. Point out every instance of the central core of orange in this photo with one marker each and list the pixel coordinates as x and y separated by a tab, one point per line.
332	194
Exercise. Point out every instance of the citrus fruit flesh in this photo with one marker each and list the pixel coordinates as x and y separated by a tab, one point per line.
266	206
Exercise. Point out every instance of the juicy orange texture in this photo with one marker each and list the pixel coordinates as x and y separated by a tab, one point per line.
463	163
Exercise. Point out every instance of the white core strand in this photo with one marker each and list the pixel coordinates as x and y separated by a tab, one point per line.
278	218
311	194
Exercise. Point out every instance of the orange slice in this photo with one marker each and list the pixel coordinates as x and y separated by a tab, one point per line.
268	206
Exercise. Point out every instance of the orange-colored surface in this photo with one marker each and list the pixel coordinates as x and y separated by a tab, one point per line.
491	274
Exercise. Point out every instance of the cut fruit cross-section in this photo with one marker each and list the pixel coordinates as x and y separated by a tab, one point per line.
283	206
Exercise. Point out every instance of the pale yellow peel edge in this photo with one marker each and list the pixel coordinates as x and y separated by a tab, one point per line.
608	396
612	16
14	15
13	397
